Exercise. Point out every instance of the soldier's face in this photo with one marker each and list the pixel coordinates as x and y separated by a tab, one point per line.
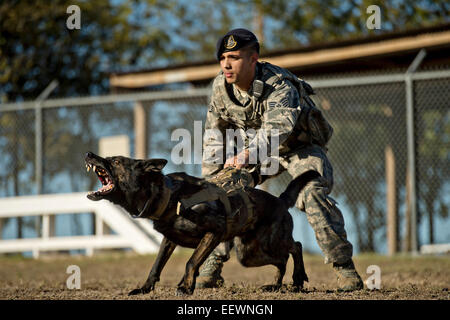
239	67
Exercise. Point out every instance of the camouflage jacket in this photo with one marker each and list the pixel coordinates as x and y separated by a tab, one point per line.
277	100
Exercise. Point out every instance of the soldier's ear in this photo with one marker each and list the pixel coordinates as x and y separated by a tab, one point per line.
154	164
254	57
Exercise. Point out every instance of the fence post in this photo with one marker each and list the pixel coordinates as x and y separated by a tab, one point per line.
98	226
407	246
411	146
140	131
391	199
38	133
48	226
38	145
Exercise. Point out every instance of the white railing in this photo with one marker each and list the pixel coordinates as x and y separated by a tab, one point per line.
135	234
442	248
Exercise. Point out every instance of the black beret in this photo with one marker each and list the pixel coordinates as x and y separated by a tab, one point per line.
235	40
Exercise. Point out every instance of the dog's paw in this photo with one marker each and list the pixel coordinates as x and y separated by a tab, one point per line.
137	291
182	291
297	288
270	288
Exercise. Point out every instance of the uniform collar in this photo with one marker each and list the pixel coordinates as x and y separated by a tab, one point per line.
249	93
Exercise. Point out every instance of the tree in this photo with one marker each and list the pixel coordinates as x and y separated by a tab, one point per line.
433	155
293	23
36	46
365	120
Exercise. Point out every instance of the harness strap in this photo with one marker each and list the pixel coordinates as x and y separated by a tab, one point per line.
225	184
213	194
247	201
248	218
208	194
159	210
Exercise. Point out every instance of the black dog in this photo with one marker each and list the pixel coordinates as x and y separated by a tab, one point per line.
261	238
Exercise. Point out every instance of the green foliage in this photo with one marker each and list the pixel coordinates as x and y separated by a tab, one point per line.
37	47
317	21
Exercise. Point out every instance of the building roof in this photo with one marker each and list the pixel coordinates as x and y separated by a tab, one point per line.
388	50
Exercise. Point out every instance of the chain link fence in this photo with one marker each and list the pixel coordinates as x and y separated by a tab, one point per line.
368	115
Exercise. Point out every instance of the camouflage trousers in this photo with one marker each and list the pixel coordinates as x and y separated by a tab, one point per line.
321	210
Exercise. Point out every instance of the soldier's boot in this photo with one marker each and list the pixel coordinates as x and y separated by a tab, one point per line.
347	277
209	276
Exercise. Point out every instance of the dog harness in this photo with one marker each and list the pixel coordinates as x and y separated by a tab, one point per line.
156	214
228	182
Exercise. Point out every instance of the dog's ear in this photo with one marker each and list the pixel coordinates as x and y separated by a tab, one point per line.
154	164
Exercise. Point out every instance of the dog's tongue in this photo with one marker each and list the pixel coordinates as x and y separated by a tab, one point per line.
106	187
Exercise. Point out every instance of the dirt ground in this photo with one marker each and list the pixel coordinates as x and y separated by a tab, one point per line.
112	275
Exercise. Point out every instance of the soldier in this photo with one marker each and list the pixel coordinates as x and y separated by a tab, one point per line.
248	94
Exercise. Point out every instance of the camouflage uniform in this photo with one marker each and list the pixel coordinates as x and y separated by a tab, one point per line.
279	106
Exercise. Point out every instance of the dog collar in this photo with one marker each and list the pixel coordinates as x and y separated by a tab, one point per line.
162	203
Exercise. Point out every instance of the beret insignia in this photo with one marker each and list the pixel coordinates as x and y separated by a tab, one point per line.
231	43
235	40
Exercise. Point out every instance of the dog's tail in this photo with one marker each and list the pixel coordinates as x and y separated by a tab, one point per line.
289	196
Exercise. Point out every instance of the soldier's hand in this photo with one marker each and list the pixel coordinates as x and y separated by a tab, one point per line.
239	161
229	162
